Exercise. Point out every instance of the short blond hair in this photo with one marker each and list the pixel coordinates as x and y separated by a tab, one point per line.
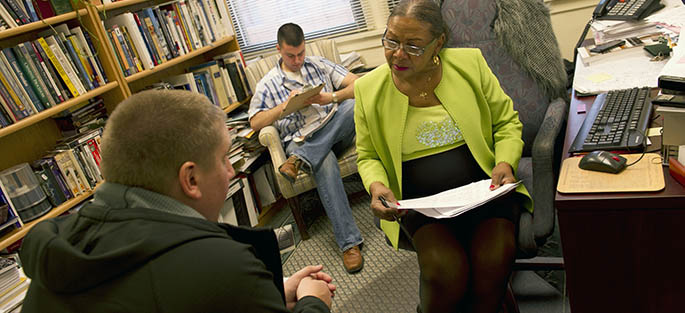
152	133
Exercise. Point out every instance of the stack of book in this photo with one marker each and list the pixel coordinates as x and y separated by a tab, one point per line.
13	285
14	13
154	35
36	75
222	80
86	118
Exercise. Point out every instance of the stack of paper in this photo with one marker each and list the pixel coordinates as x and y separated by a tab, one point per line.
456	201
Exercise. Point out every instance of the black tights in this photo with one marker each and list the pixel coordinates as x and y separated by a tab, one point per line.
465	277
465	261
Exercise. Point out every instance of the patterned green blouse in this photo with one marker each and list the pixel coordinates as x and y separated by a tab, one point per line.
428	131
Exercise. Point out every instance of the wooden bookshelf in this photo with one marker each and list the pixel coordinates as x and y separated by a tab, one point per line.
176	61
19	233
31	137
30	120
42	24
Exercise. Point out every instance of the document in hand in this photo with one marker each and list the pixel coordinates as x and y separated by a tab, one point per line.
453	202
298	101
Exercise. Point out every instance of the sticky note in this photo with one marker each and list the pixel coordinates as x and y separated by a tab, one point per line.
599	77
654	131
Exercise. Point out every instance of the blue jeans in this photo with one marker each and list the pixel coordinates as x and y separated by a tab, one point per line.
318	154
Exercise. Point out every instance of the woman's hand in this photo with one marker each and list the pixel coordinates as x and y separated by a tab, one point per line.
292	285
378	190
502	174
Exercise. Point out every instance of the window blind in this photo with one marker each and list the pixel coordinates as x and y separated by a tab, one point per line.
256	22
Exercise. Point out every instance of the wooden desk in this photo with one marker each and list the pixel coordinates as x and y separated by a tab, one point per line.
623	252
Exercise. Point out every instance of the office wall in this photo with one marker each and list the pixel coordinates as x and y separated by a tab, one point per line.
568	20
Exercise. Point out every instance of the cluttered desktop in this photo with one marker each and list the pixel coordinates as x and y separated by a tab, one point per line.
620	197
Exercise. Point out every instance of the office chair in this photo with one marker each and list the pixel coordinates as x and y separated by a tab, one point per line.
269	136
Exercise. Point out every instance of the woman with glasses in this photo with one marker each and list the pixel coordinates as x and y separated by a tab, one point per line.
433	119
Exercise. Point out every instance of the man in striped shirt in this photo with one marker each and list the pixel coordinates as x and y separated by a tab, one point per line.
315	153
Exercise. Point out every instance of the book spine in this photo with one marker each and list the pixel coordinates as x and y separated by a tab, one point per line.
232	68
69	173
119	36
8	15
206	19
156	33
138	40
61	6
23	102
13	6
31	11
82	45
70	65
55	82
183	23
43	9
26	87
176	42
190	24
147	38
118	52
61	182
89	42
80	58
132	49
80	71
33	81
58	66
49	184
5	119
16	108
165	33
40	75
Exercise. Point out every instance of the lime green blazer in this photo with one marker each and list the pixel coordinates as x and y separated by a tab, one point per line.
472	96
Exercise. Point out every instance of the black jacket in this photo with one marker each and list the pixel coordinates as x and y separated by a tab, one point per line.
142	260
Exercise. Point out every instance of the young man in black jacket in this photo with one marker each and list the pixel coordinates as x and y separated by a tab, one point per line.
150	241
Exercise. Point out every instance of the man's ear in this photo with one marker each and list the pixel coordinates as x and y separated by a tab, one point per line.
278	47
187	178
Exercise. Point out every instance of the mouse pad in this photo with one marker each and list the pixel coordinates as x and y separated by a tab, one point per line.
646	175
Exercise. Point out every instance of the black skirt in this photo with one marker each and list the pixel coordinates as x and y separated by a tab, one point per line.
447	170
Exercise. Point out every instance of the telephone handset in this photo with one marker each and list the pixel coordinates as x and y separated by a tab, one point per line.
625	9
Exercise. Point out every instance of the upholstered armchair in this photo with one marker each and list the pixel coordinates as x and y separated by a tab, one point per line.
269	136
517	41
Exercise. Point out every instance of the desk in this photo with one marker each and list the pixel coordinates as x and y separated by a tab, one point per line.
623	252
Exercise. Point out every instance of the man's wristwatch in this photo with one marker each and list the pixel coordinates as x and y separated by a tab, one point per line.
335	97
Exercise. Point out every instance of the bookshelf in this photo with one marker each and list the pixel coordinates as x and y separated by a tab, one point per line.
31	137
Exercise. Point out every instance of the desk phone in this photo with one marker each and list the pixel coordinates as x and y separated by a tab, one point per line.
625	9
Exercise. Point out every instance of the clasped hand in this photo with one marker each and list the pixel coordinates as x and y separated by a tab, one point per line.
309	281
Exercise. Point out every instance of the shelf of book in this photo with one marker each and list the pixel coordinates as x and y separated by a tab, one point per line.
118	4
33	119
234	106
19	233
42	24
179	60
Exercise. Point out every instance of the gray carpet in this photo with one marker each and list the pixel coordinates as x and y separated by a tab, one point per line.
389	280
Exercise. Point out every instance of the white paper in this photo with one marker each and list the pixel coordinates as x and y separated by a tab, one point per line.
456	201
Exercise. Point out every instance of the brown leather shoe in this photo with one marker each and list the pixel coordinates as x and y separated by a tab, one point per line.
290	168
353	260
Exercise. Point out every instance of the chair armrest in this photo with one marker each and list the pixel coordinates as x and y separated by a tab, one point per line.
270	138
543	167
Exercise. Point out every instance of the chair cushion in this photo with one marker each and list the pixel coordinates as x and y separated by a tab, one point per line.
471	25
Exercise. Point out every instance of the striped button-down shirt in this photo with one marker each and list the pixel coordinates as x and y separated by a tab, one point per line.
274	88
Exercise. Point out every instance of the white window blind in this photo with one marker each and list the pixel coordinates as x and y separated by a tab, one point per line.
256	22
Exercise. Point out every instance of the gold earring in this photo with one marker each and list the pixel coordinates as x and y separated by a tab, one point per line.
436	60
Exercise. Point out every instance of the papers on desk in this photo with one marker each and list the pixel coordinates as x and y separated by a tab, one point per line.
453	202
633	70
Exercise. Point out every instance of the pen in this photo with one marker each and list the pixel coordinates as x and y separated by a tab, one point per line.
386	204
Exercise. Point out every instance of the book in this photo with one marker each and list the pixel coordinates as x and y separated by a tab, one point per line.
22	101
39	77
68	168
51	164
48	182
43	9
24	87
93	61
50	50
61	6
59	86
183	81
31	77
309	129
128	20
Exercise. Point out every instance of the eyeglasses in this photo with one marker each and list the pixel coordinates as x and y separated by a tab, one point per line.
409	49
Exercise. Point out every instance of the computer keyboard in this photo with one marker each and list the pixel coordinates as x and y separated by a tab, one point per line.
617	121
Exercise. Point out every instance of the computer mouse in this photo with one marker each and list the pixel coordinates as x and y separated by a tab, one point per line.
603	161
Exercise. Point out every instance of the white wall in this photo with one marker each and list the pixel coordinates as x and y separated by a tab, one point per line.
568	20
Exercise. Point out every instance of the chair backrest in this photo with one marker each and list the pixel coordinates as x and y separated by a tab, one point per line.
474	24
257	69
